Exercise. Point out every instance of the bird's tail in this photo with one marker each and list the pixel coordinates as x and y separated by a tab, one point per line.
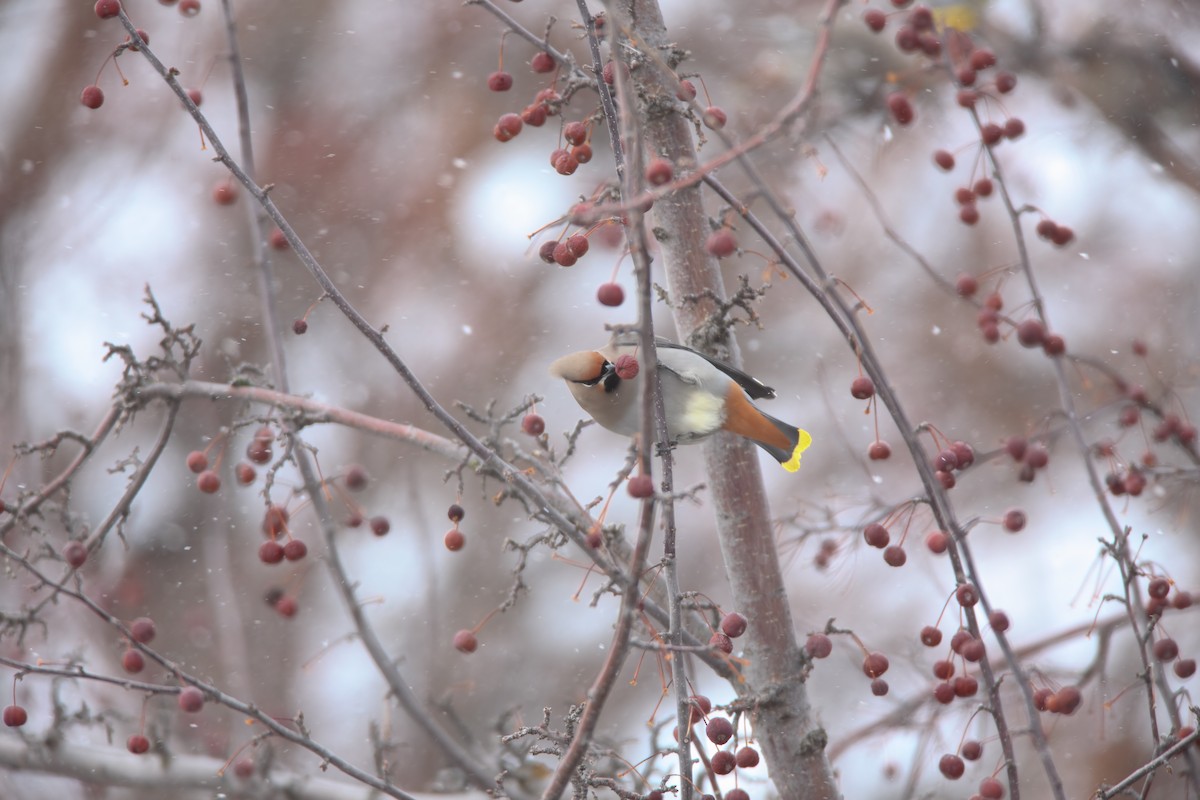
787	447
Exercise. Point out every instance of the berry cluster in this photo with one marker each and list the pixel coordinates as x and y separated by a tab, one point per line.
92	95
732	626
1031	456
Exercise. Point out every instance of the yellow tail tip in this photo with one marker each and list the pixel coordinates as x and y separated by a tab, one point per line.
802	443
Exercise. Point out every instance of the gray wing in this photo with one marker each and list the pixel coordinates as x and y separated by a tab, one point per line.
756	389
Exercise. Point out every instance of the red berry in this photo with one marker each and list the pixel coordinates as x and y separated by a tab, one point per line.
259	452
465	641
999	621
224	193
1158	587
983	187
982	59
1005	82
1037	456
534	115
900	107
641	486
142	35
1031	333
132	661
287	606
964	452
142	630
75	553
542	62
533	424
719	730
189	8
701	705
747	758
15	716
734	624
721	243
300	327
582	153
944	159
906	39
723	762
1013	127
876	535
563	254
197	461
546	251
967	595
507	127
894	556
626	367
1062	235
659	171
946	460
862	388
454	540
944	669
270	552
137	744
208	482
195	96
191	699
818	645
971	750
938	542
973	650
380	526
714	118
244	473
874	665
1185	667
952	766
686	90
967	98
879	450
578	245
295	550
931	636
566	164
968	214
991	789
500	81
720	641
610	294
575	132
1166	649
92	96
106	9
944	693
965	686
875	19
966	76
1014	520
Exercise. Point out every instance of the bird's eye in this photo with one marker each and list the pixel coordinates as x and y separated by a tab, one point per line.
606	369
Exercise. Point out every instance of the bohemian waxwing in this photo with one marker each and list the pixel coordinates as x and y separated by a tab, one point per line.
700	395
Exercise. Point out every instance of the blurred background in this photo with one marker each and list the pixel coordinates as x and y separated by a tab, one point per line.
373	122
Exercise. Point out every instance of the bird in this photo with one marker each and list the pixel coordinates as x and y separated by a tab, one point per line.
700	395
